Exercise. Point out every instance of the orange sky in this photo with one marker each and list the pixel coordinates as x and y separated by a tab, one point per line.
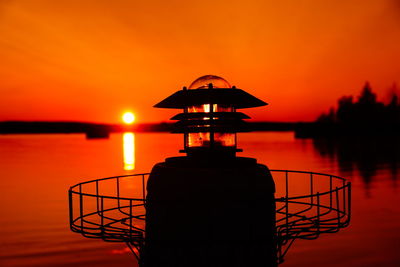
90	60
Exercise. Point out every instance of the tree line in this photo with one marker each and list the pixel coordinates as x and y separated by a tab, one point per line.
365	110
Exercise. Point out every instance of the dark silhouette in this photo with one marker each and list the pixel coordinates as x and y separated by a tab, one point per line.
210	208
366	110
91	129
97	131
34	127
364	117
362	134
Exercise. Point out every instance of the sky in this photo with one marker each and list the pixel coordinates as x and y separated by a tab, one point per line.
92	60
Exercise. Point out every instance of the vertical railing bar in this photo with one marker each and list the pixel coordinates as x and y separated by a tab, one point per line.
81	205
119	204
287	201
102	214
130	219
97	196
287	183
312	188
71	211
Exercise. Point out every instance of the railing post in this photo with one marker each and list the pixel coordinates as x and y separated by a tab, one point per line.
130	220
287	202
97	196
71	210
119	204
337	205
102	214
312	188
81	205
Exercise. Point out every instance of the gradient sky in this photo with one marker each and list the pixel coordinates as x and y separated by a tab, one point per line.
90	60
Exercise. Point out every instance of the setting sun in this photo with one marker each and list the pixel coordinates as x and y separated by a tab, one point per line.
128	117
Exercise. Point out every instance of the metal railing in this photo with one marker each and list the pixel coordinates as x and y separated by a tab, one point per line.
307	205
322	204
111	209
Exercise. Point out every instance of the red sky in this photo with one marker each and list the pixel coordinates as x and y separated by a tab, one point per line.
90	60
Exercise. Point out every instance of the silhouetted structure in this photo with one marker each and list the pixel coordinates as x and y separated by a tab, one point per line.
364	117
210	208
193	202
366	110
91	129
39	127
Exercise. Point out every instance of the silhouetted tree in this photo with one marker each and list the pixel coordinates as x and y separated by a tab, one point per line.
345	112
327	118
393	108
367	110
367	97
394	101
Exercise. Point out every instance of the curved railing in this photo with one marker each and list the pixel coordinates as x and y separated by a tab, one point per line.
111	209
307	204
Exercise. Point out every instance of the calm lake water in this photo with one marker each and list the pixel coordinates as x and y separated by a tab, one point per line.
37	170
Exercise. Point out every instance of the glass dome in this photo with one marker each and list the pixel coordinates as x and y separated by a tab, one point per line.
209	139
204	81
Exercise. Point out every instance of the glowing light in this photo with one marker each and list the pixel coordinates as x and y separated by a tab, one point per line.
129	151
128	117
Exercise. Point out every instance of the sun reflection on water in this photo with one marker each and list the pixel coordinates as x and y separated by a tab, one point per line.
129	151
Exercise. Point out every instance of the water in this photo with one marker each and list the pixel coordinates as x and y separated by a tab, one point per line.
37	170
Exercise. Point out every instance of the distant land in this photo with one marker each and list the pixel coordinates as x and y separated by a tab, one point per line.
92	130
356	117
102	130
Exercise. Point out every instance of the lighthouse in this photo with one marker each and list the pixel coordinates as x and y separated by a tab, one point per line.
210	207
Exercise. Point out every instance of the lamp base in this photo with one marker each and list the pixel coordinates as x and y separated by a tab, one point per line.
210	213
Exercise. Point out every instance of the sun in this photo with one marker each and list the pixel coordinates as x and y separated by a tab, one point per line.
128	117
